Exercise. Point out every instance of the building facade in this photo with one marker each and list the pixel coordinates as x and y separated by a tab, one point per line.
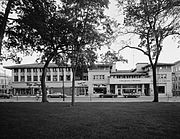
176	79
101	78
26	79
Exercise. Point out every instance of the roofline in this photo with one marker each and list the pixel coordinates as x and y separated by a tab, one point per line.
34	65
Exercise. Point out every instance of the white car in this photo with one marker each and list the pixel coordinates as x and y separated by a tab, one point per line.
56	95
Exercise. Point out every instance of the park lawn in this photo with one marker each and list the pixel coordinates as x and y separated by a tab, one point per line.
89	120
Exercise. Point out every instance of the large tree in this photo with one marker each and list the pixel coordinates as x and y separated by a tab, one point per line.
39	28
90	29
152	21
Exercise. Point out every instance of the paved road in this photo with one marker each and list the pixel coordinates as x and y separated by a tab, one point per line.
92	99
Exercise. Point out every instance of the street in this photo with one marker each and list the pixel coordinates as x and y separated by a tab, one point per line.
92	99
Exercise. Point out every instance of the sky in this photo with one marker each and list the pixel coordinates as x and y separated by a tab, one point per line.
170	52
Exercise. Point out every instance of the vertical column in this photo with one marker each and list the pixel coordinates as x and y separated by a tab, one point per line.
19	76
142	92
121	89
32	78
116	90
25	75
108	89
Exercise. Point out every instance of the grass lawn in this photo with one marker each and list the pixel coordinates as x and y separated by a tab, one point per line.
90	120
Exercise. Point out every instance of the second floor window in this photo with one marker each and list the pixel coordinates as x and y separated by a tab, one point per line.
28	70
15	70
22	70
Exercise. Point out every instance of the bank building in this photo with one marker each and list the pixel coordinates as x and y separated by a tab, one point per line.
100	78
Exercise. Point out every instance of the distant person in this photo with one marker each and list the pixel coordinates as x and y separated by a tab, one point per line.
37	95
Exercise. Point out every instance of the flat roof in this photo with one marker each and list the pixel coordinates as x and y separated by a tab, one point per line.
34	65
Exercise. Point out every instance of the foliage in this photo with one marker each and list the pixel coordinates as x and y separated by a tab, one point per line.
112	57
152	21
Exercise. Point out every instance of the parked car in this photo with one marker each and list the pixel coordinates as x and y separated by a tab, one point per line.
108	95
5	95
56	95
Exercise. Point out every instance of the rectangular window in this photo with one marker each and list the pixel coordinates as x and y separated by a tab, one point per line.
16	78
48	78
35	78
68	77
15	70
68	69
54	77
28	78
28	70
54	70
22	70
40	70
22	78
40	77
34	70
61	78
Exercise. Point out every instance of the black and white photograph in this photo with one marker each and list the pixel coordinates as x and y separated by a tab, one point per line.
89	69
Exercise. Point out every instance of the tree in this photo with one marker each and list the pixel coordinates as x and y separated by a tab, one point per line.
3	21
112	57
152	21
90	28
39	28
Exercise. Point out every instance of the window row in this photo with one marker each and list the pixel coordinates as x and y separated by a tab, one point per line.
98	77
48	78
40	70
129	76
162	76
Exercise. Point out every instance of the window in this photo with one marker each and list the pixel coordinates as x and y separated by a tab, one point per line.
40	77
28	78
161	89
28	70
40	70
22	70
15	70
54	70
48	77
68	77
35	78
34	70
16	78
22	78
54	77
61	77
98	77
67	69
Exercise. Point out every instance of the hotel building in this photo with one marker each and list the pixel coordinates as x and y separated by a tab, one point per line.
101	78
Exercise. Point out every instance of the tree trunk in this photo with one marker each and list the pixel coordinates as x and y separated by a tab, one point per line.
63	85
43	85
155	84
2	29
73	86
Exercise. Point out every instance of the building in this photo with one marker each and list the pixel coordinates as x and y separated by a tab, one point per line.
105	78
101	78
26	79
5	82
176	79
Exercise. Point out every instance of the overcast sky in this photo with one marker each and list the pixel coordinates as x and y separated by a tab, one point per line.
170	53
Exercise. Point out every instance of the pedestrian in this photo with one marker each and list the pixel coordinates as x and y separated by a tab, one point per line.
37	95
